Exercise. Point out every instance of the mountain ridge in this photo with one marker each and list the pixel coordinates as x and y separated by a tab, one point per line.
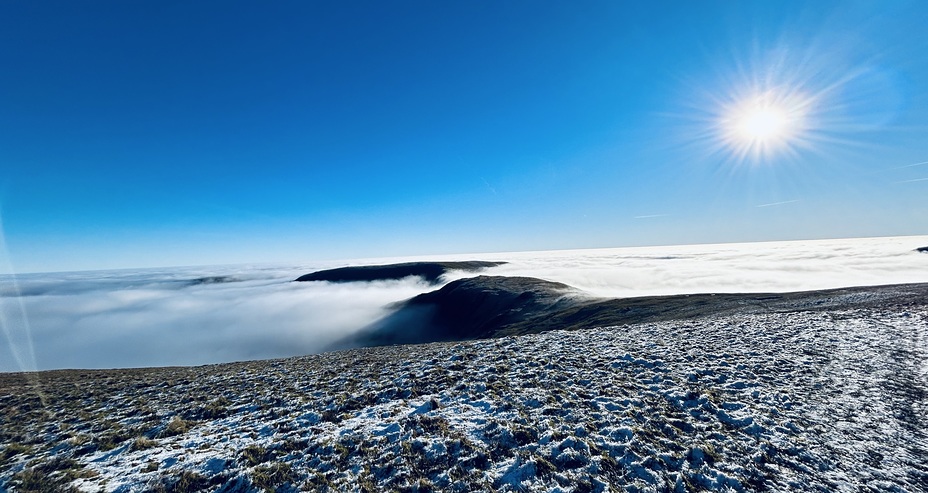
431	272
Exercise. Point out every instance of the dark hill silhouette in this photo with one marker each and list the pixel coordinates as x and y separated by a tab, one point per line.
430	271
923	249
471	308
210	280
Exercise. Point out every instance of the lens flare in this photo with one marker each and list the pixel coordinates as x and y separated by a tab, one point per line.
761	126
15	324
786	103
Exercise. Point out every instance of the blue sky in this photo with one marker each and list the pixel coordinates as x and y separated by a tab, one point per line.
137	134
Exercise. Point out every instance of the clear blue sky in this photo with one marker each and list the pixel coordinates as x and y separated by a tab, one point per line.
158	133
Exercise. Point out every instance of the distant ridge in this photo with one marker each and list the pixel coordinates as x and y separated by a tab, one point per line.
430	271
211	280
485	307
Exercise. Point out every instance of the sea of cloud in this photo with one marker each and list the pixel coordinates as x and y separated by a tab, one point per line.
729	268
190	316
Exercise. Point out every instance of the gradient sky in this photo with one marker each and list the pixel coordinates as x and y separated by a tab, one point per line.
137	134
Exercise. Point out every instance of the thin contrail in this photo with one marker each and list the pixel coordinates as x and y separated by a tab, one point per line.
778	203
650	216
910	181
894	168
485	182
911	165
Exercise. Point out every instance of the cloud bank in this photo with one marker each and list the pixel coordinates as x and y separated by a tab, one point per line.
121	319
728	268
195	316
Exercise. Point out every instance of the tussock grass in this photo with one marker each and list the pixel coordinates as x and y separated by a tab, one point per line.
143	443
269	477
177	426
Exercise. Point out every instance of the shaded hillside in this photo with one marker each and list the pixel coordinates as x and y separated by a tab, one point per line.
430	271
611	312
493	306
473	308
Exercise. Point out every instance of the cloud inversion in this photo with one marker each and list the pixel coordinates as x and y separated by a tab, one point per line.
209	315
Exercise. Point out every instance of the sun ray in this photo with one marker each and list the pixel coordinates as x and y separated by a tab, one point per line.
787	104
763	123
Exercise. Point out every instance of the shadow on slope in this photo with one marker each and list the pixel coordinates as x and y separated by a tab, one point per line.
621	311
496	306
430	271
472	308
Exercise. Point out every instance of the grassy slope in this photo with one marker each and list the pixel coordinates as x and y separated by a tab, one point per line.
798	392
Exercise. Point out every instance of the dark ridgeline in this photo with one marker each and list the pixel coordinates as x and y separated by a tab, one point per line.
430	271
472	308
210	280
923	249
496	306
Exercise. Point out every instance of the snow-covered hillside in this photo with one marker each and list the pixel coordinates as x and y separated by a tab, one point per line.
822	400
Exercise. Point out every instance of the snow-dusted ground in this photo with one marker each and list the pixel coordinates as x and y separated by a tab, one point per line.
826	400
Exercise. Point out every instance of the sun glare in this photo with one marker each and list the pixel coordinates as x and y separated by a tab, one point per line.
762	125
774	107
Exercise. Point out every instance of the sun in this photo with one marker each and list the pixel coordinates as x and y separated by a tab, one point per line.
762	124
772	108
785	104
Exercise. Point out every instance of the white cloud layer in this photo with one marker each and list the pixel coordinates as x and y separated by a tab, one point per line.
729	268
164	317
